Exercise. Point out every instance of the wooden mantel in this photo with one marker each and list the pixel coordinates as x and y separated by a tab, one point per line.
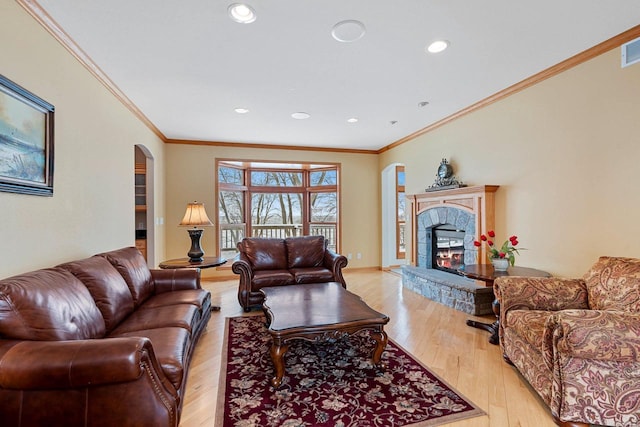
478	200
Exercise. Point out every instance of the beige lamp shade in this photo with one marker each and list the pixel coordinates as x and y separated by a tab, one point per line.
195	216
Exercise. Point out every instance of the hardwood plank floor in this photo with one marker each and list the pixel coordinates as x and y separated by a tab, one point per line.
436	335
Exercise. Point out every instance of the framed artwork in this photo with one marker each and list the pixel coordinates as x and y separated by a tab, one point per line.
26	141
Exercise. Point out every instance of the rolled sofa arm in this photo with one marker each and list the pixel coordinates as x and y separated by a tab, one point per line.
336	262
592	335
243	268
109	381
175	279
31	365
539	293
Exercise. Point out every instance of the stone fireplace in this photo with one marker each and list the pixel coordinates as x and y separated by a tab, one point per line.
450	222
454	217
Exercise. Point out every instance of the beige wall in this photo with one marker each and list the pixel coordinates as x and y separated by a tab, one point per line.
191	176
92	208
566	153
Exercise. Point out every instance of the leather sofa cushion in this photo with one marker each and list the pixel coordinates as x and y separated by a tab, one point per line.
312	275
613	283
107	287
48	305
133	268
171	346
264	278
185	316
305	252
266	254
201	298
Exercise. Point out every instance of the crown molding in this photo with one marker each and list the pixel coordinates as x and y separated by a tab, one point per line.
561	67
36	11
268	146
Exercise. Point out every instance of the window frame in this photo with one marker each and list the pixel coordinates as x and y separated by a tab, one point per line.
247	189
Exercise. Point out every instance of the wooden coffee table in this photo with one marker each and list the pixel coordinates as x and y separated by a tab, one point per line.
317	312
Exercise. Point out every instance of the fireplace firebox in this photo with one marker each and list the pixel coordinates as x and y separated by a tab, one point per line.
447	247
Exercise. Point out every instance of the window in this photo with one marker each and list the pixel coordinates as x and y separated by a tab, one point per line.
400	212
281	200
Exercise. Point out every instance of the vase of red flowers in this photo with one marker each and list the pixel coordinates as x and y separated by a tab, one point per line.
500	264
501	257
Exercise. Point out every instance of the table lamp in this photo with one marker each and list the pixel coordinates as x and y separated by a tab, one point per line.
195	217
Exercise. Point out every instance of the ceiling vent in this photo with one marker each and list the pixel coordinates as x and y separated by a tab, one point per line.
631	52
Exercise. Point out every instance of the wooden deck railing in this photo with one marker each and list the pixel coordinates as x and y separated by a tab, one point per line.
230	234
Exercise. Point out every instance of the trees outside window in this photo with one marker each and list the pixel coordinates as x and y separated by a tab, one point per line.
276	200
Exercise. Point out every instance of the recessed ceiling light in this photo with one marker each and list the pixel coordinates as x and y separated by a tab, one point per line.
242	13
393	122
348	31
352	120
437	46
423	103
300	115
241	110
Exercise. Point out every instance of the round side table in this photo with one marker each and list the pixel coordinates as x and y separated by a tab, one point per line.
487	274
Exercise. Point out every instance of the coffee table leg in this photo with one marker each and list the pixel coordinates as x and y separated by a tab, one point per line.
277	357
381	342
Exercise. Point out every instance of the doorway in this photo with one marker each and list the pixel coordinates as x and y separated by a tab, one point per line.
393	216
144	203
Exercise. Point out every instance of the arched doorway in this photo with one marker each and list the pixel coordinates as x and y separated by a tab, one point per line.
392	234
144	203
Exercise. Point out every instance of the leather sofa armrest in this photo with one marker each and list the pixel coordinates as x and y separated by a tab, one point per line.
608	336
539	293
336	262
33	365
243	268
175	279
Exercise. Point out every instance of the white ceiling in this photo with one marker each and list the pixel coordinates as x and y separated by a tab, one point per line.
186	65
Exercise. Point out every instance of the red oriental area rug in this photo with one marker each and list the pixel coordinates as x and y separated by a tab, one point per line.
329	384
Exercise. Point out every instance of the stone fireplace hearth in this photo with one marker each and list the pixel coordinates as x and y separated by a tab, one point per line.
468	209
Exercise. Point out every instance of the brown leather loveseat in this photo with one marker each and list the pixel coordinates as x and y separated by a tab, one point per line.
102	341
278	262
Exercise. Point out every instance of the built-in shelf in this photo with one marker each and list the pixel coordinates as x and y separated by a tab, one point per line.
141	188
140	176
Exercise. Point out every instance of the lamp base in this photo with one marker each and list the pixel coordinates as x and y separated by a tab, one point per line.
195	253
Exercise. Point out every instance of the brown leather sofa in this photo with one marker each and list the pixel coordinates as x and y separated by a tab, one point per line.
279	262
102	341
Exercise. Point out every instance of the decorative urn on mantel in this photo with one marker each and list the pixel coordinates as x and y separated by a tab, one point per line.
445	179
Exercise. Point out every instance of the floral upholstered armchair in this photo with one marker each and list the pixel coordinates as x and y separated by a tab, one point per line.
577	341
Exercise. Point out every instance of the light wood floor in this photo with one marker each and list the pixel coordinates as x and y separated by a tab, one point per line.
434	334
